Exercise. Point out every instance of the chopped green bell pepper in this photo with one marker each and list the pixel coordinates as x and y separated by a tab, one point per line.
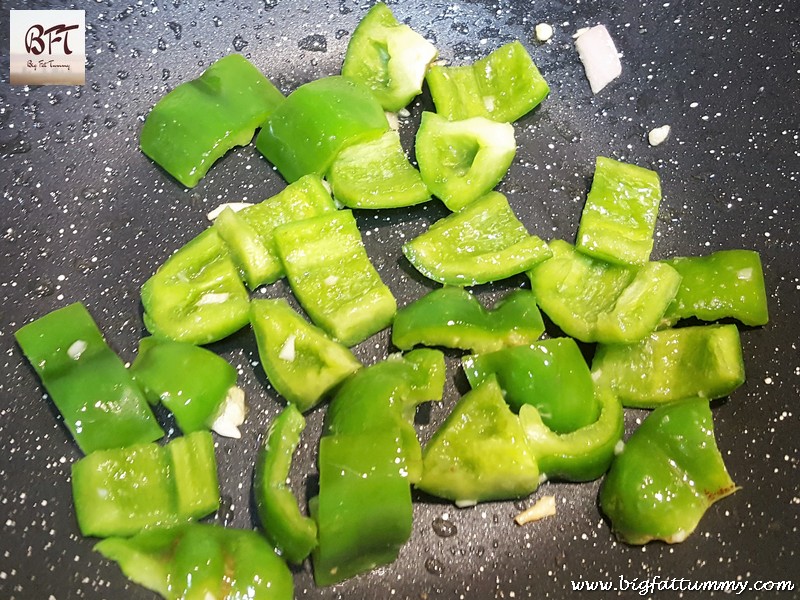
503	86
620	214
377	174
451	317
363	510
101	404
385	396
480	452
483	242
315	122
196	296
462	160
726	284
292	533
199	561
368	457
332	277
199	121
301	362
190	381
667	475
388	57
121	491
581	455
672	364
596	301
246	248
550	375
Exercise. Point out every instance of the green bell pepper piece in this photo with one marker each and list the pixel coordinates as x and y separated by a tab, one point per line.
620	214
315	122
202	561
480	452
368	457
196	296
101	404
194	125
307	197
118	492
550	375
483	242
666	477
451	317
301	362
596	301
292	533
331	275
726	284
581	455
246	248
672	364
388	57
377	174
190	381
462	160
503	86
385	396
363	511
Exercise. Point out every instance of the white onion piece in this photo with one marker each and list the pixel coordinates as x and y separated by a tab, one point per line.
599	57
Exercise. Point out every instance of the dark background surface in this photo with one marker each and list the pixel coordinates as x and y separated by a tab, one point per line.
86	217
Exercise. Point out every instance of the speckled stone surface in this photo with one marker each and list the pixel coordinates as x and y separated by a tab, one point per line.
86	217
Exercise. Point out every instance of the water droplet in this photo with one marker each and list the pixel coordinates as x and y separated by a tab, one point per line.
176	29
434	566
162	45
217	21
314	43
109	123
444	528
123	75
43	286
239	43
268	4
340	33
89	193
164	74
112	46
197	43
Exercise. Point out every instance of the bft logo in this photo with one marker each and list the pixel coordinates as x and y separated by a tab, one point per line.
48	47
34	38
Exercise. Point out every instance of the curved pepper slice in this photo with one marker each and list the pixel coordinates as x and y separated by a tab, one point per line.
596	301
301	362
451	317
581	455
462	160
377	174
196	296
202	561
483	242
320	118
368	457
480	452
199	121
726	284
123	490
101	404
386	395
667	475
388	57
292	533
672	364
550	375
190	381
502	86
332	277
620	214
